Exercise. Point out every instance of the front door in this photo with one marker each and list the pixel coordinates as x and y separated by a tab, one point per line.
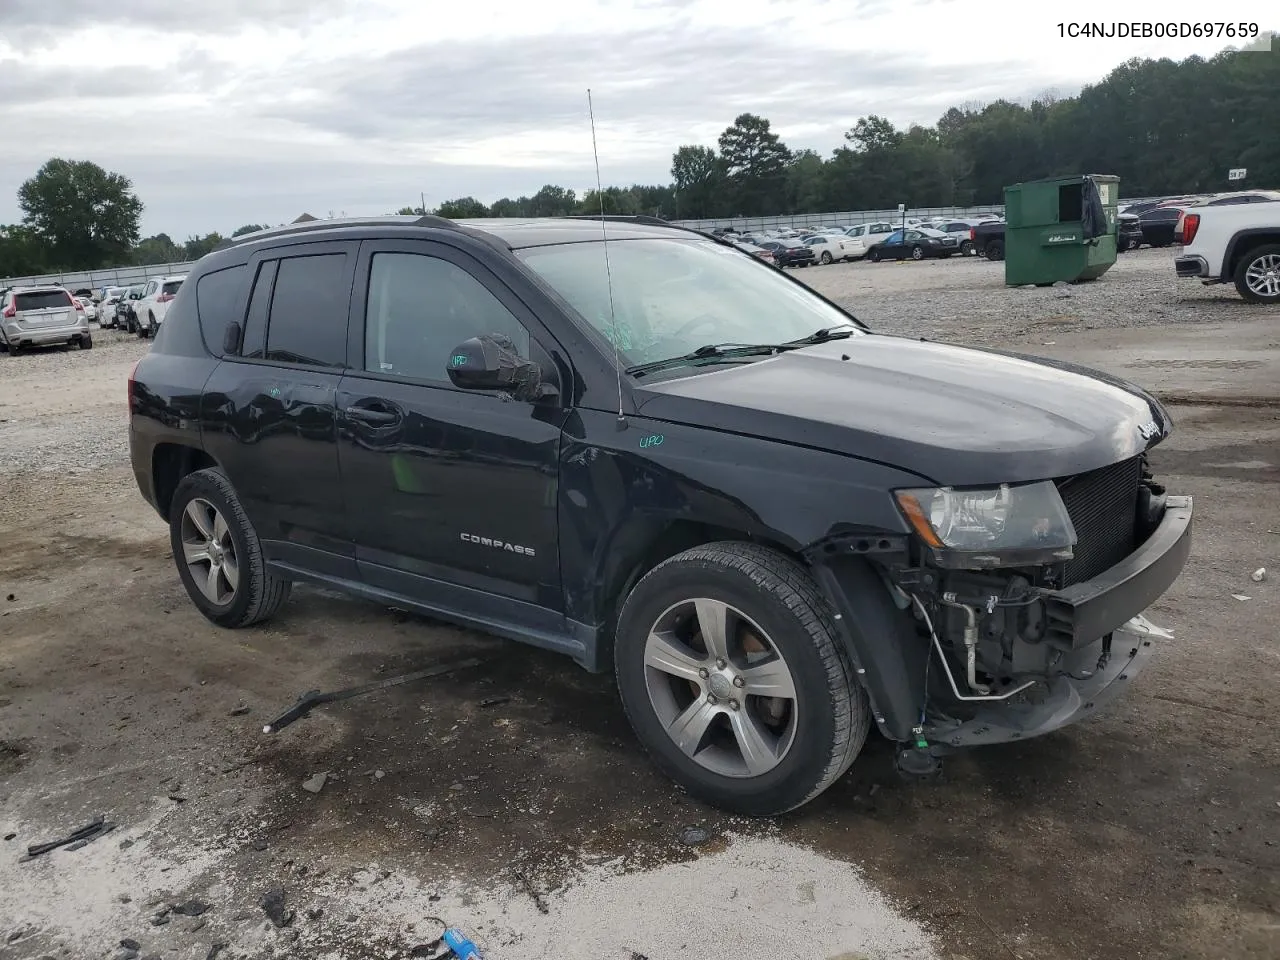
447	488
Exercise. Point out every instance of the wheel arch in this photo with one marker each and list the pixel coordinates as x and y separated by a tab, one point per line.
170	463
1242	242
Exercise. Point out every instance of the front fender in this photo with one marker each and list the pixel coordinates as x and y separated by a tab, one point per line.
622	490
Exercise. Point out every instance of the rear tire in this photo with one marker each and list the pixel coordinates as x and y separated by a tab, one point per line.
243	591
826	258
86	342
799	739
995	250
966	248
1264	262
917	253
873	255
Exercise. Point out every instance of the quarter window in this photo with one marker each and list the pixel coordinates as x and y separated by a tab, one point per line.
420	308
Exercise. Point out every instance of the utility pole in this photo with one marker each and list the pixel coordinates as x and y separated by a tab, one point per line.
423	198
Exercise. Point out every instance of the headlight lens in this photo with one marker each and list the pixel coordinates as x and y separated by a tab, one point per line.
1026	517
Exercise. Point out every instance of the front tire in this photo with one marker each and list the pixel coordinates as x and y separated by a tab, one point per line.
218	554
1257	275
733	676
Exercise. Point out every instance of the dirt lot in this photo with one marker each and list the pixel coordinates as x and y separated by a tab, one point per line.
1152	831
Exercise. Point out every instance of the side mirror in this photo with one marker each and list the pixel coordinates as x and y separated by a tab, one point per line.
491	362
231	338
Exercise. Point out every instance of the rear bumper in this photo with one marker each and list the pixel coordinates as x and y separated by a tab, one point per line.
1191	266
43	336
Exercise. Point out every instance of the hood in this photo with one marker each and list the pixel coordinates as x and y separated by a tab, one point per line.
952	415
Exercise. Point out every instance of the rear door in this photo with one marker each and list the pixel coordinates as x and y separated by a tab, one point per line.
269	408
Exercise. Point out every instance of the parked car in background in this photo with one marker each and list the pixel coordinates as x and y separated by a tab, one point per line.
107	306
1159	224
961	230
1237	243
988	239
42	316
1242	196
151	307
866	234
759	252
126	316
830	247
789	253
87	305
915	243
1128	232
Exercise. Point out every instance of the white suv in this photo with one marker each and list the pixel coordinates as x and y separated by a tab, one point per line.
154	304
42	317
1237	243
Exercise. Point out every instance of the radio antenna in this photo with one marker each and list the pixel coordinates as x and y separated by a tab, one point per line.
608	272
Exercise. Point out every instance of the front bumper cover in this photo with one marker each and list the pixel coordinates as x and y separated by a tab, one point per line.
1078	615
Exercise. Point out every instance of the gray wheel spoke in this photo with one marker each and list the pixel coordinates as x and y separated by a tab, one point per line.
194	553
771	679
713	624
219	528
199	516
667	654
759	751
690	728
212	588
231	572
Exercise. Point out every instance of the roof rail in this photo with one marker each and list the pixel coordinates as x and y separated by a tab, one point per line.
623	218
393	220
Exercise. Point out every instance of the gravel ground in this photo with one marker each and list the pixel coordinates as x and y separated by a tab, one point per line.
1151	832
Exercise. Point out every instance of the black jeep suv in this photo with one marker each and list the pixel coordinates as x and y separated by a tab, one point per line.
772	524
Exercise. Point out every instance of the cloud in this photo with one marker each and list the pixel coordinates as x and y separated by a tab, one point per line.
189	15
224	112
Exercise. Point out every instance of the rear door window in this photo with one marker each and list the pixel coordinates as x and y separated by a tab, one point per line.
42	300
172	287
308	319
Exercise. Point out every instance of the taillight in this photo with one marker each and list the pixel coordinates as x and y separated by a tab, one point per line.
11	310
973	234
78	305
132	381
1190	224
164	298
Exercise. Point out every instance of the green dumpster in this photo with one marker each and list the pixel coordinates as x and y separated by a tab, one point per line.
1062	228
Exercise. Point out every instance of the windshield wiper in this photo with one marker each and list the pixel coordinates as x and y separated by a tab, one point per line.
705	354
821	336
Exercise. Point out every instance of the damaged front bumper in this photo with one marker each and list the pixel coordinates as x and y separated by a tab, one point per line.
1106	639
1093	677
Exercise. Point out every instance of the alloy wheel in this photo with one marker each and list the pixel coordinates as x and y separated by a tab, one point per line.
1262	276
720	688
209	552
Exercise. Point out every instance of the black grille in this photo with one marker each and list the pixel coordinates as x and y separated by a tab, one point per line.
1103	506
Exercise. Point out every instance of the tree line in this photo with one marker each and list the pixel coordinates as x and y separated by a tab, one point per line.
1163	127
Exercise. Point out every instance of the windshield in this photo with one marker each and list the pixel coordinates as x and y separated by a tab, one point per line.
673	296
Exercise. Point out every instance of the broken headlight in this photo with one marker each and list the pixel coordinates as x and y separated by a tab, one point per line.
1006	525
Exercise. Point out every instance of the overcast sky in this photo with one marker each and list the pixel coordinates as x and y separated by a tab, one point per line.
225	112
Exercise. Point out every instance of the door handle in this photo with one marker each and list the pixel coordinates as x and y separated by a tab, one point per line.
378	416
